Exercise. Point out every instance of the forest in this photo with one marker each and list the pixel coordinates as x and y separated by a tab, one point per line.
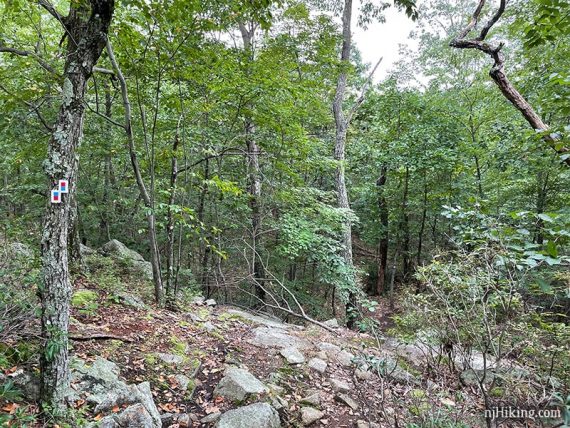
218	213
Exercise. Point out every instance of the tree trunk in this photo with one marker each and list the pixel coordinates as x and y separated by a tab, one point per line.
383	245
254	178
406	225
170	219
341	123
86	27
422	223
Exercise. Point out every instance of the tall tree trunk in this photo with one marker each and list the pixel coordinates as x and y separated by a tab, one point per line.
150	216
86	25
204	249
108	170
339	155
423	222
383	244
254	178
170	219
406	225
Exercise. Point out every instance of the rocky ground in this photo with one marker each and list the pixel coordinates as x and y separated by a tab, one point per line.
204	365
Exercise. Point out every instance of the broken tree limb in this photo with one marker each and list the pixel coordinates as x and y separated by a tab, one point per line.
498	75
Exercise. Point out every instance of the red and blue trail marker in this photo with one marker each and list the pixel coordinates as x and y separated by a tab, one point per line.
63	186
55	196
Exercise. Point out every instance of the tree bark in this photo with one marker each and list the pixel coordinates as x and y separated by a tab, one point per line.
170	219
254	179
86	27
150	216
383	244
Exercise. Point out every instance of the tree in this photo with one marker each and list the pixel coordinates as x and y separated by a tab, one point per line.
86	27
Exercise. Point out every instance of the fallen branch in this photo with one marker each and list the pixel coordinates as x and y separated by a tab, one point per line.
100	336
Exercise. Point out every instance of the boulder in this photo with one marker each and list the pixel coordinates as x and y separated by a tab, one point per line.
262	319
211	418
85	250
210	302
318	365
26	382
332	323
135	416
130	300
277	338
119	250
292	355
313	398
237	384
99	383
258	415
310	415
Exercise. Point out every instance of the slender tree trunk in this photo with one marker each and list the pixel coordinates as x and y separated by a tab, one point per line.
406	225
204	249
254	178
87	26
170	219
151	219
542	185
339	155
383	245
423	222
107	205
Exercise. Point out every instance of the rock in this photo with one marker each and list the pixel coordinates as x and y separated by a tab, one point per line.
471	377
118	249
211	418
328	347
182	381
273	337
194	317
318	365
343	398
208	326
26	382
130	300
332	323
292	355
135	416
276	389
85	250
137	262
198	300
237	384
363	374
170	358
262	319
322	355
365	424
313	398
99	383
310	415
389	367
344	358
339	385
258	415
210	302
279	403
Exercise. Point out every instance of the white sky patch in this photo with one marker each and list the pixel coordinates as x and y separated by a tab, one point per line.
383	40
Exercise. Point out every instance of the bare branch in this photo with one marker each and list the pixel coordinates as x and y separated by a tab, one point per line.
36	109
363	91
52	11
44	64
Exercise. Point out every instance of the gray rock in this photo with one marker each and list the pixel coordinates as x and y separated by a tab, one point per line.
194	317
183	382
318	365
137	262
208	326
310	415
99	383
211	418
332	323
198	300
345	399
472	377
365	424
344	358
279	403
363	374
339	385
170	358
26	382
85	250
258	415
135	416
130	300
237	384
292	355
262	319
273	337
313	398
328	347
276	389
388	366
210	302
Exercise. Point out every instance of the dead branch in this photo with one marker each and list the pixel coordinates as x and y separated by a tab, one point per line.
100	336
497	73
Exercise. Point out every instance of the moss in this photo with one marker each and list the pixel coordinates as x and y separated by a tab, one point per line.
226	316
178	346
85	301
216	335
497	392
150	359
203	313
417	393
184	323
